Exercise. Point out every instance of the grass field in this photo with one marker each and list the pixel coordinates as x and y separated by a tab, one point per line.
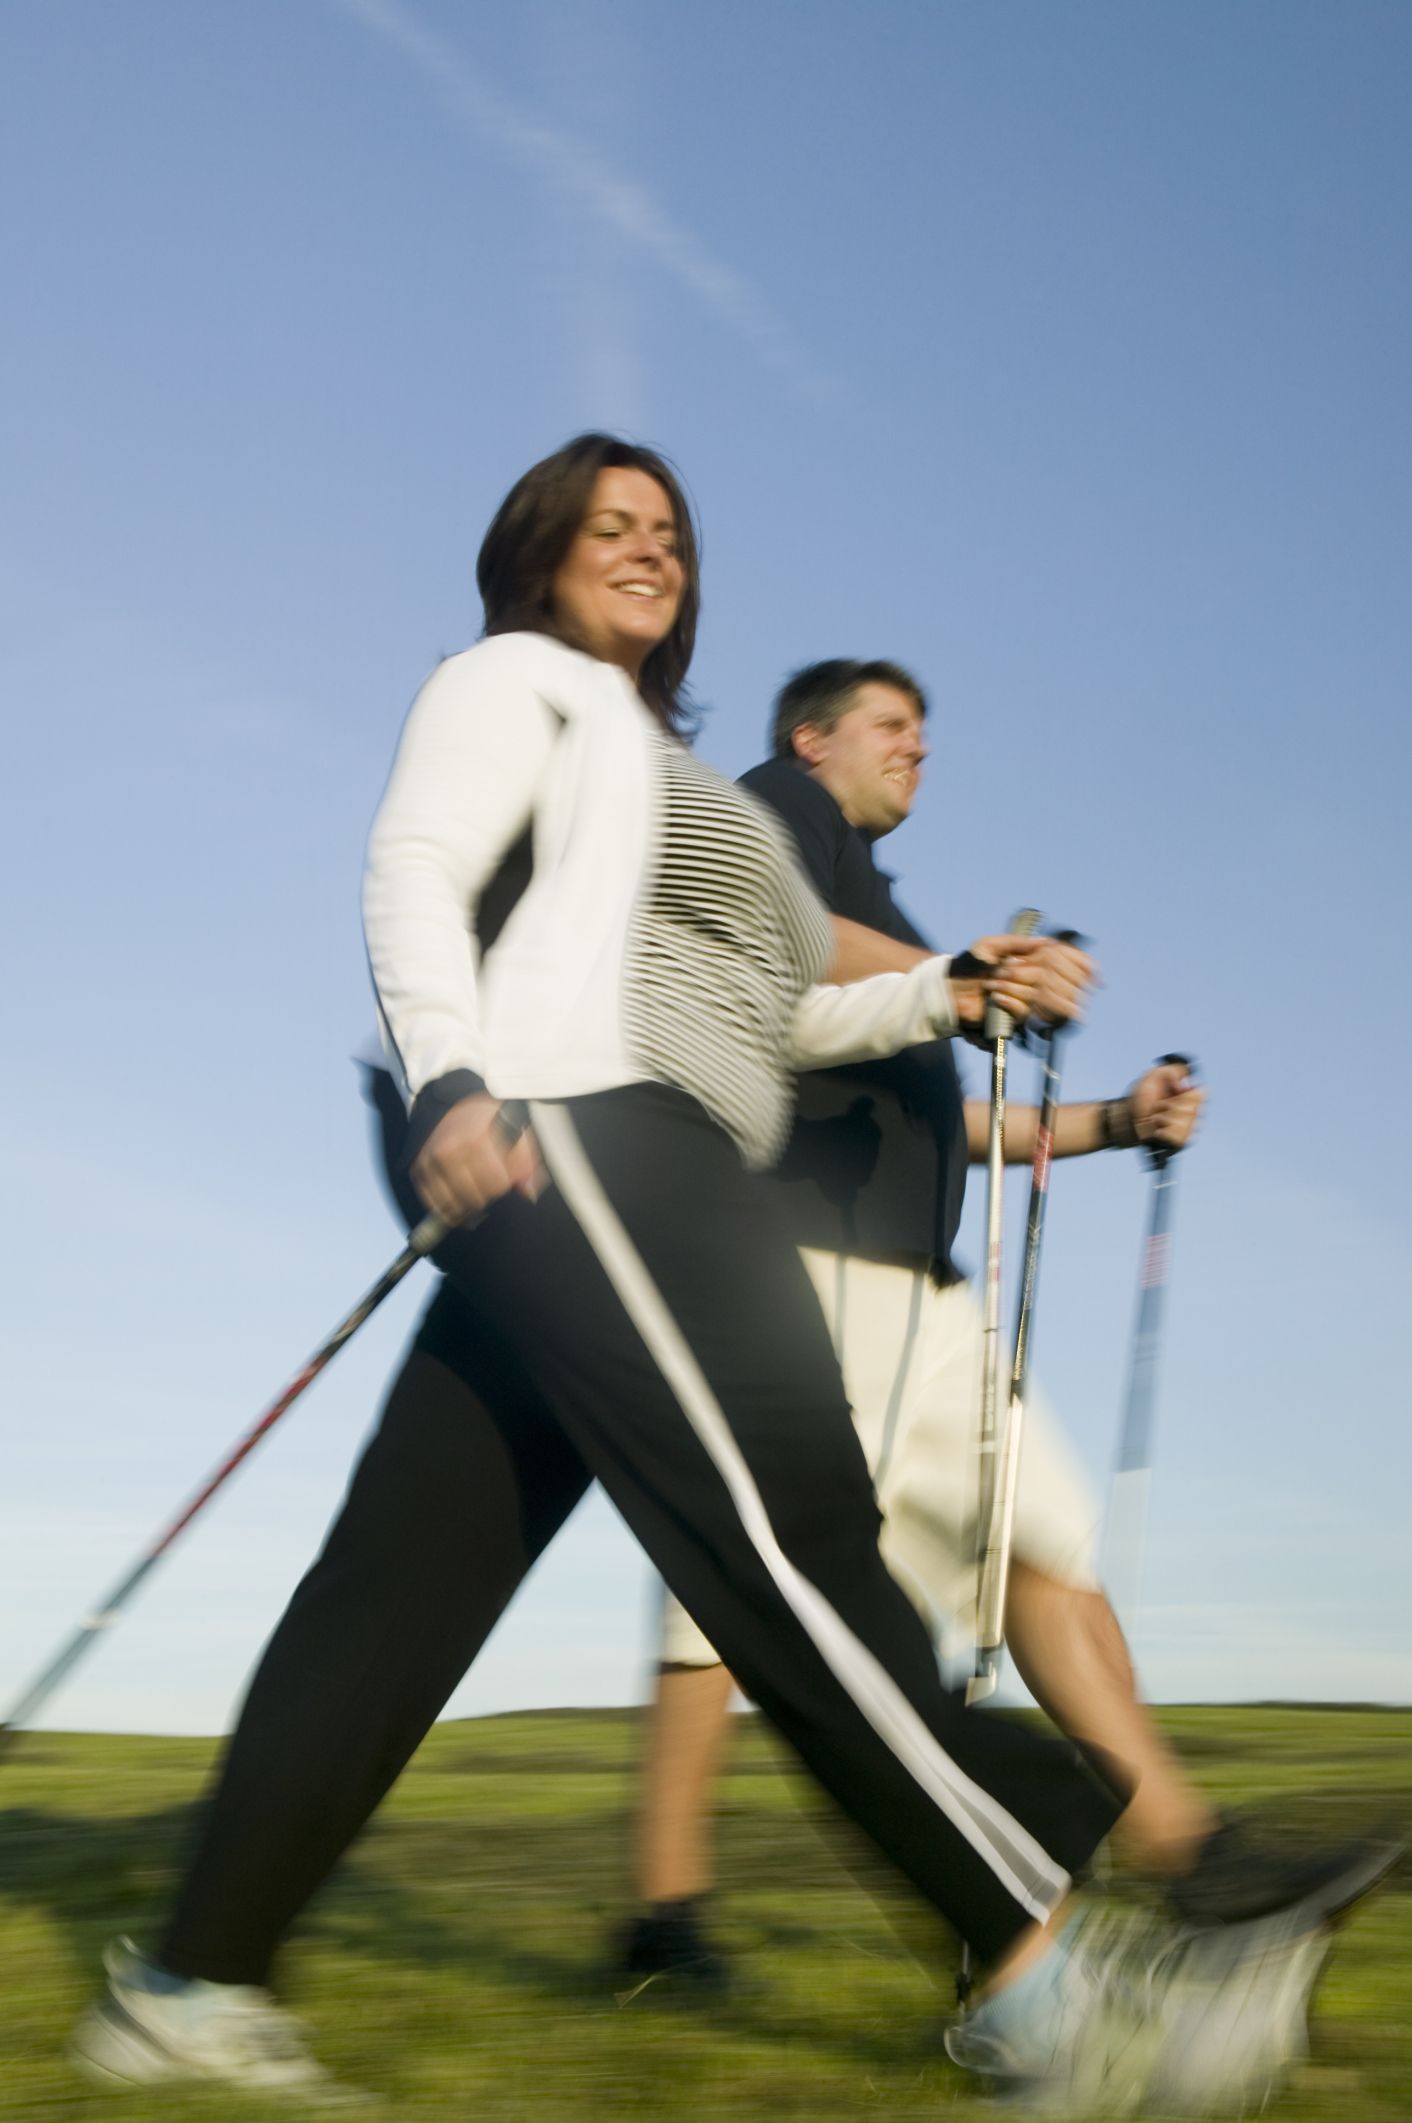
455	1965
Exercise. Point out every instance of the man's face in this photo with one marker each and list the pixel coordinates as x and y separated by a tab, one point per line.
871	760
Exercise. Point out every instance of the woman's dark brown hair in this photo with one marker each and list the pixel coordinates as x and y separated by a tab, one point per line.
533	529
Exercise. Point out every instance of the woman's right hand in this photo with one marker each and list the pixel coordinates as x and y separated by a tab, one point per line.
465	1164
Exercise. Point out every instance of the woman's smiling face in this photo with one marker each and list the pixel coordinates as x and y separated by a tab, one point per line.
618	588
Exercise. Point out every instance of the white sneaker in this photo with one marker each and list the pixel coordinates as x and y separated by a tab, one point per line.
152	2027
1234	2015
1156	2022
1088	2053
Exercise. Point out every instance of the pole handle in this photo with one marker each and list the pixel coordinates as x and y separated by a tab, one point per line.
509	1124
998	1023
1161	1154
1035	1035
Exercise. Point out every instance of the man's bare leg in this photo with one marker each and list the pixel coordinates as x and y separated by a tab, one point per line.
685	1740
1069	1651
685	1743
1071	1654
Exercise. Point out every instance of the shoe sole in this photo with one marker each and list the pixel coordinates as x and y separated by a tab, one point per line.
110	2049
1329	1904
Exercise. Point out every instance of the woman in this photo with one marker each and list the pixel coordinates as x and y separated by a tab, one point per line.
636	1314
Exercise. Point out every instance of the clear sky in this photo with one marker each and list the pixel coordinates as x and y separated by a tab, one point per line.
1060	352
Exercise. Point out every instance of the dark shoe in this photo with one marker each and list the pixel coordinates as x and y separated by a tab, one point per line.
1234	1880
667	1949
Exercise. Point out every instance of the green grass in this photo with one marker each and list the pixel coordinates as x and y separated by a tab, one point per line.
455	1964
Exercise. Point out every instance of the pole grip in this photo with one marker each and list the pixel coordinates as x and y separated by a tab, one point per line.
1043	1032
1161	1154
509	1124
998	1023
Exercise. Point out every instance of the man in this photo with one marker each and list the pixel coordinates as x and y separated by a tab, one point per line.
874	1177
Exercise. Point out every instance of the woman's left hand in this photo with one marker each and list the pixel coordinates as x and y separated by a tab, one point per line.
1033	977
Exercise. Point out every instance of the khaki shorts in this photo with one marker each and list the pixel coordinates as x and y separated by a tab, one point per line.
911	1361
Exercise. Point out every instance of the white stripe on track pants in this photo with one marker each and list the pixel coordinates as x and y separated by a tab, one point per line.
647	1323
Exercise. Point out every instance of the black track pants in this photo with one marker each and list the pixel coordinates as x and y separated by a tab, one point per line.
648	1322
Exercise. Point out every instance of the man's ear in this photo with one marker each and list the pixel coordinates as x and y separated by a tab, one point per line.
808	741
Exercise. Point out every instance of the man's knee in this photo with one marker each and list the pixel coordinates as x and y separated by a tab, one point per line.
684	1648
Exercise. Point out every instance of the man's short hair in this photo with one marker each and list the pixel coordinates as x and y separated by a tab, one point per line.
822	694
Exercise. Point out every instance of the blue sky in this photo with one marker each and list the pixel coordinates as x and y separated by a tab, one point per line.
1060	352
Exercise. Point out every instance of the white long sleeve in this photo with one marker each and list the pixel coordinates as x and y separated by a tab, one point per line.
461	791
664	933
869	1019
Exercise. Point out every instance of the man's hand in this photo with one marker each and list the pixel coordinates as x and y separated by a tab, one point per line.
1166	1106
1033	977
464	1165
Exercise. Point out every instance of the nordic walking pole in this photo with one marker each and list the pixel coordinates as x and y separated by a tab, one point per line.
511	1122
1125	1534
999	1531
999	1029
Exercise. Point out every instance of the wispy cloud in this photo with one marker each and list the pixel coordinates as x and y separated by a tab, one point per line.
576	167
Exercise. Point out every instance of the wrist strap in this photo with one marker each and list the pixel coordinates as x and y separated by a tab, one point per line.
1116	1127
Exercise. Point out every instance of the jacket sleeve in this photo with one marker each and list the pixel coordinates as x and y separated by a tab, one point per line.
870	1019
461	791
